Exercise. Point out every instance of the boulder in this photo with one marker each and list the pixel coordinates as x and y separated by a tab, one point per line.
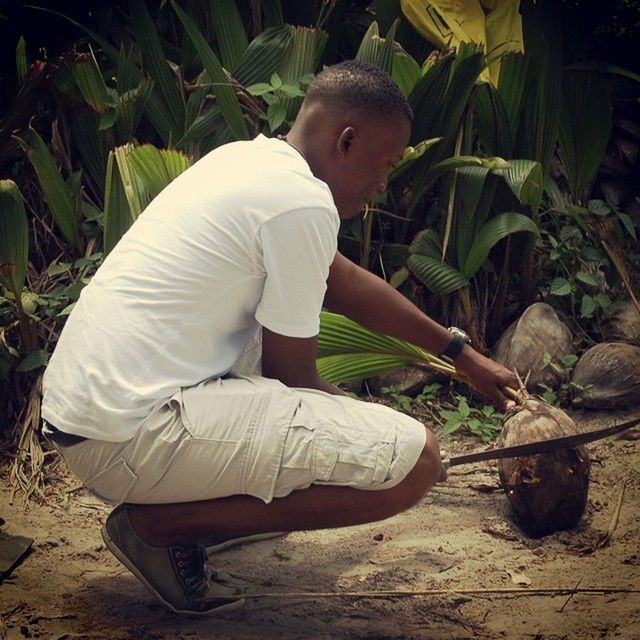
524	343
408	380
610	374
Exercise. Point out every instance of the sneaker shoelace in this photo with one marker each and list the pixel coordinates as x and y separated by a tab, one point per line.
189	563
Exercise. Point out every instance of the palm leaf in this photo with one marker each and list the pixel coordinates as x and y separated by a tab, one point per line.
90	81
494	129
427	265
406	71
492	232
156	168
438	276
524	178
155	62
512	86
264	56
14	238
130	107
348	351
358	366
57	194
585	127
231	37
135	190
222	88
410	156
377	50
538	132
117	215
92	146
304	54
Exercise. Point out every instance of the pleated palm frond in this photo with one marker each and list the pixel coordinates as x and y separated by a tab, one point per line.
348	351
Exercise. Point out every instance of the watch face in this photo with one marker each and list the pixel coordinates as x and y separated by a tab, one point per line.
456	331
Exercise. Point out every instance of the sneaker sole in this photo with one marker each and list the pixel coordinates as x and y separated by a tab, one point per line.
232	605
233	542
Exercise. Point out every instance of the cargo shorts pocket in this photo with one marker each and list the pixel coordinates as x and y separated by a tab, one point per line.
114	482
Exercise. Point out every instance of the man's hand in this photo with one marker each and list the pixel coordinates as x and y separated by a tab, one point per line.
486	377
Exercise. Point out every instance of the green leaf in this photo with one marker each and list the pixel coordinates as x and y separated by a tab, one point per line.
155	167
357	366
171	107
14	240
587	278
259	89
627	223
56	193
494	127
117	214
588	306
560	287
436	275
406	71
222	88
410	156
231	37
276	114
302	59
492	232
585	127
265	55
377	50
598	207
32	361
348	351
524	178
90	81
22	66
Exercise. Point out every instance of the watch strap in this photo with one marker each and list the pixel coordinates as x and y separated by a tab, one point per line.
454	348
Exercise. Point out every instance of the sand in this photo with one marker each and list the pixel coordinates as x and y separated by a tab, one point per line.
472	572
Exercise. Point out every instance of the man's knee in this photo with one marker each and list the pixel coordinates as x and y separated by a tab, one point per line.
424	474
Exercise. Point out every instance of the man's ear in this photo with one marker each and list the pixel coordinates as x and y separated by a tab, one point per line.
345	141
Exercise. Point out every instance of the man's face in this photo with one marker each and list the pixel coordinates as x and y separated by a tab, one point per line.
374	148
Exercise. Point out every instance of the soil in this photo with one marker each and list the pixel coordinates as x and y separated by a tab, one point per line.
462	565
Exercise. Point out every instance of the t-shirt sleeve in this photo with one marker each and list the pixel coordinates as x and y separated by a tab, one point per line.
298	248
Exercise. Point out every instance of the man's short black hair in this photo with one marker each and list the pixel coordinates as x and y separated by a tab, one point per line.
362	86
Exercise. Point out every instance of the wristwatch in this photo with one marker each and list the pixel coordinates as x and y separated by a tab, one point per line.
460	338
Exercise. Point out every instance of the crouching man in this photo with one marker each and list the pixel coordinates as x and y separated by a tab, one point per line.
184	386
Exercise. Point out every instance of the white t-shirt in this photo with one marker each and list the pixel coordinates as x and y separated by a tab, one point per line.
242	239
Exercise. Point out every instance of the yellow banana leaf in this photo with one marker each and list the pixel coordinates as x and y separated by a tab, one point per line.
496	24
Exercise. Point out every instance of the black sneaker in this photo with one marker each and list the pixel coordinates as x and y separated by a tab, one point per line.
175	575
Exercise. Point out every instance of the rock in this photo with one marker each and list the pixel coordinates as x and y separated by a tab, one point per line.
624	324
524	343
611	373
409	380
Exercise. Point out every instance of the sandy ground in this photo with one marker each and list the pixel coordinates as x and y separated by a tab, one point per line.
454	547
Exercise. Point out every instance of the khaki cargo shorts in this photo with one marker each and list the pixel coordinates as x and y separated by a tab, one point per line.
254	436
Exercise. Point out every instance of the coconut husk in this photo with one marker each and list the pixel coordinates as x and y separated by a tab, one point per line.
548	492
624	324
524	343
610	374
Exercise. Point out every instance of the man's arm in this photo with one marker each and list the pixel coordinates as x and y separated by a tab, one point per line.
369	300
293	361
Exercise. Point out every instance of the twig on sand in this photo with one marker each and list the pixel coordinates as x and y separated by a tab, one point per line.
514	592
573	593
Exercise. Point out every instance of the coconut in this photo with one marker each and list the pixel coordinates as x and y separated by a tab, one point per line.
522	346
610	374
547	491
